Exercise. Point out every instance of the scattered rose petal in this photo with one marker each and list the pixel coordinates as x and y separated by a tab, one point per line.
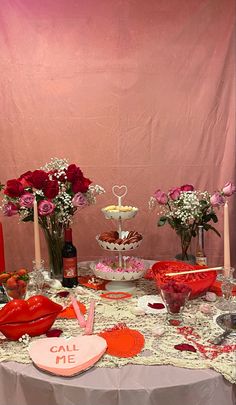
138	311
210	296
158	331
54	333
63	294
156	305
205	309
185	347
174	322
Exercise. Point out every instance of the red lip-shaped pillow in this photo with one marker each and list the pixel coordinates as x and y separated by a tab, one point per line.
33	317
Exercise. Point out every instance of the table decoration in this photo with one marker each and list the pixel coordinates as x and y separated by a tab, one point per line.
120	271
175	296
53	193
69	313
185	208
199	282
228	279
157	350
15	283
2	256
151	304
67	357
123	341
90	319
33	316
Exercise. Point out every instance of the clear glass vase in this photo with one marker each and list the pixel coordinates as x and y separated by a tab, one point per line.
185	236
54	237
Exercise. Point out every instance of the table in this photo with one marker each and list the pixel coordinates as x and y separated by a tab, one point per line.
23	384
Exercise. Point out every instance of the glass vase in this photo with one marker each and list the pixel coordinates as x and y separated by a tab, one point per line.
185	236
54	237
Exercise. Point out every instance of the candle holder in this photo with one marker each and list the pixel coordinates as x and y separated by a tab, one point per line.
36	282
226	276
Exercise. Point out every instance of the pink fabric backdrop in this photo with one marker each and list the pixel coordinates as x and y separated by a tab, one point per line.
136	93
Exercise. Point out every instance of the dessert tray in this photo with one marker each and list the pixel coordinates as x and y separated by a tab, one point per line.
127	240
119	269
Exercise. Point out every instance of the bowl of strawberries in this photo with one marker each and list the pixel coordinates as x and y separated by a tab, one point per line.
15	283
199	282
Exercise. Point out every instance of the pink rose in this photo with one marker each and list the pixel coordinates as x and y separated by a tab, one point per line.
27	200
229	189
46	208
174	193
79	201
187	187
10	209
217	199
161	197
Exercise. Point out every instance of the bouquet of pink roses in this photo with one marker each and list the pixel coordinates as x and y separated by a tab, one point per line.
185	208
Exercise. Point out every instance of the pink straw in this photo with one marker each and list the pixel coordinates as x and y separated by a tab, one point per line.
90	319
78	314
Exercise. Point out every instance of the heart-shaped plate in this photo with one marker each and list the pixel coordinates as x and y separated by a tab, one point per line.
67	357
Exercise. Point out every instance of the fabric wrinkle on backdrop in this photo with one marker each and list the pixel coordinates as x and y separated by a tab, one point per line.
136	93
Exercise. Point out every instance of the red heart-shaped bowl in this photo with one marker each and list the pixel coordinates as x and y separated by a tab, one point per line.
198	282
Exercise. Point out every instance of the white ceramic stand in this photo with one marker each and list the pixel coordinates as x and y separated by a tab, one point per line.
121	286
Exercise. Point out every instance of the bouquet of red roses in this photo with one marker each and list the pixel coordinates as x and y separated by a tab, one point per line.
60	190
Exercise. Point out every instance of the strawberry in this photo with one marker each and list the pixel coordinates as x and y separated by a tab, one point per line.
21	283
11	283
4	277
22	272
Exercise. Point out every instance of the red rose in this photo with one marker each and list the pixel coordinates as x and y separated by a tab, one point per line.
81	185
39	178
51	188
55	176
187	187
73	173
25	179
14	188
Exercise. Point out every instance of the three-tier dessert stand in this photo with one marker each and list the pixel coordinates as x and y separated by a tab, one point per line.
120	271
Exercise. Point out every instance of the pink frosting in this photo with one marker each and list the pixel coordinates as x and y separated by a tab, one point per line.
108	265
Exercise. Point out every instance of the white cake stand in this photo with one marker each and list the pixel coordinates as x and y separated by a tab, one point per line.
119	281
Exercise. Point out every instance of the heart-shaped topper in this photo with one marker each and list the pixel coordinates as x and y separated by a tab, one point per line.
119	192
67	357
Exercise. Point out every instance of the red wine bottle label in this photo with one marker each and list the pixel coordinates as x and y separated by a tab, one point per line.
69	267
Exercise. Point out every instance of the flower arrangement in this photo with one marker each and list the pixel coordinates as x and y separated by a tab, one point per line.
60	190
185	208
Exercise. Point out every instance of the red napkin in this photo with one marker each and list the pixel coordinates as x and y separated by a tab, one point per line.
122	341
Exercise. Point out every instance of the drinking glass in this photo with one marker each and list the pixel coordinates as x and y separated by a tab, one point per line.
227	278
175	297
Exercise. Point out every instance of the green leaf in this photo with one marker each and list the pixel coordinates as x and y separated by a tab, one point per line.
208	226
162	221
27	219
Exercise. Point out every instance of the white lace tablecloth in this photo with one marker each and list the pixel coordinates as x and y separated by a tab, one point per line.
198	330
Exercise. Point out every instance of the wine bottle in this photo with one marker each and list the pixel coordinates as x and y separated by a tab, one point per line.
69	257
201	258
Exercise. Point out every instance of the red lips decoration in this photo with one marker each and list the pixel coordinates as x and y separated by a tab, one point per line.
33	317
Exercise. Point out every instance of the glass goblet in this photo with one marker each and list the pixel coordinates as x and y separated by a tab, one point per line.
175	297
227	278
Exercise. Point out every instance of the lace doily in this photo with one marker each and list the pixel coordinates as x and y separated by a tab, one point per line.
198	330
